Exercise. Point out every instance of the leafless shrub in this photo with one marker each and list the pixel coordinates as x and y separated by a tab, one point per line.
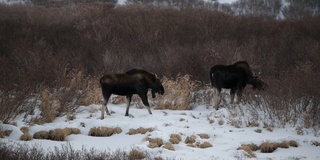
17	151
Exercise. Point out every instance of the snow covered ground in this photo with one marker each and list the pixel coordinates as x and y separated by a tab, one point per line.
224	137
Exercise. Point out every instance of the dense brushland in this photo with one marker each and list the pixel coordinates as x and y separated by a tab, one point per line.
52	57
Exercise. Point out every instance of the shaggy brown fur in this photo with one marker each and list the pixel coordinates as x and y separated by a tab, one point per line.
234	77
134	81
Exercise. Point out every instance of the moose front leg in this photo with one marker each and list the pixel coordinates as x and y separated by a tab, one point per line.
216	97
129	97
144	99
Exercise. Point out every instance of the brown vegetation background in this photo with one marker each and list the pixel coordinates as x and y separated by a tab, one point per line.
57	54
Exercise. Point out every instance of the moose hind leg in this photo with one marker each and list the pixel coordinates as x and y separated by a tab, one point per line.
216	98
104	106
128	104
144	99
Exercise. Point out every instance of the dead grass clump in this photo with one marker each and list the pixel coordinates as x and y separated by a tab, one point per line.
204	136
91	91
315	143
253	124
253	147
158	158
24	129
57	135
192	145
135	154
175	138
140	130
48	107
190	139
221	122
155	142
41	135
169	146
248	150
204	145
268	147
26	137
293	143
283	144
235	124
69	131
5	133
211	121
178	93
258	130
104	131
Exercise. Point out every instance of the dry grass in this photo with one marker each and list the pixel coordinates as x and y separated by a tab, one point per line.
177	93
155	142
268	147
190	139
24	129
69	131
5	133
169	146
175	138
248	150
221	122
140	130
205	145
26	135
315	143
258	130
104	131
283	144
204	136
234	123
57	134
41	135
293	143
136	154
